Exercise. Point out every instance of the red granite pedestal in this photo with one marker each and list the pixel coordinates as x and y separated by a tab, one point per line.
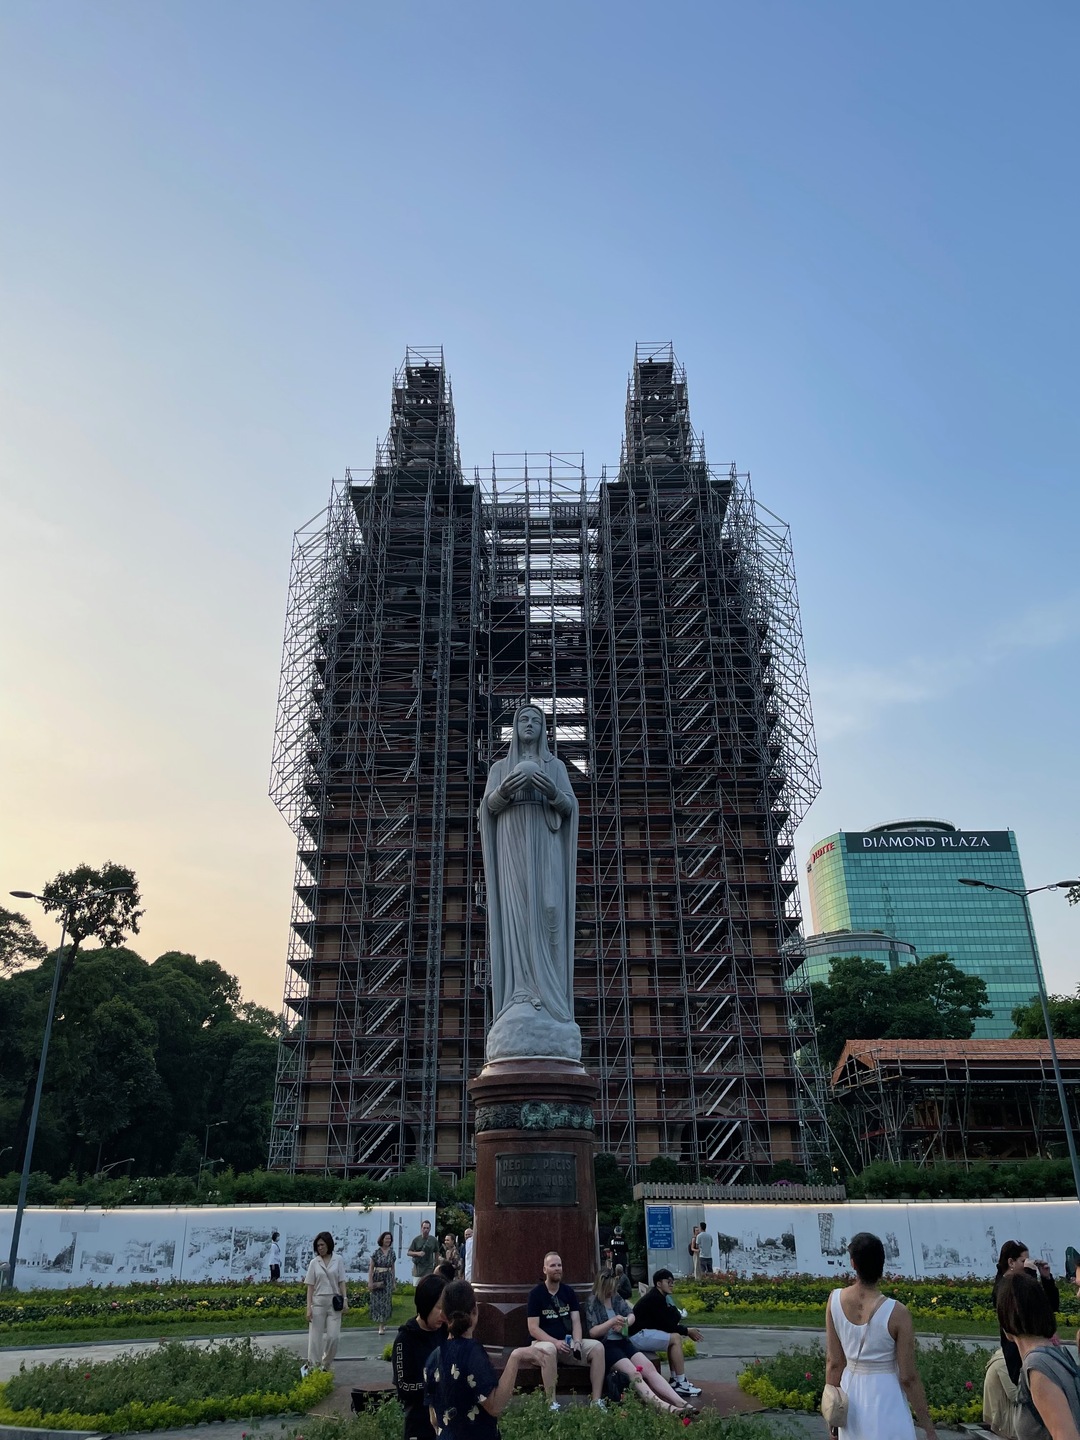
535	1189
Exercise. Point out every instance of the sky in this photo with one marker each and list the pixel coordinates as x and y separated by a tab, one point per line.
223	223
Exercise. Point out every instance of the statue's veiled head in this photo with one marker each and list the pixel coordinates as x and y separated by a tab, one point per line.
529	734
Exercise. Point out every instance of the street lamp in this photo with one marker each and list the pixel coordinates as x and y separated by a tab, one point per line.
205	1164
31	1133
105	1170
1022	896
213	1125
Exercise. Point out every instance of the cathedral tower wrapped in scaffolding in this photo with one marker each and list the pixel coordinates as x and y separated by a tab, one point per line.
653	615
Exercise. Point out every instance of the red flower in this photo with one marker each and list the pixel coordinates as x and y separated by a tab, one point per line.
968	1385
87	1375
809	1376
686	1419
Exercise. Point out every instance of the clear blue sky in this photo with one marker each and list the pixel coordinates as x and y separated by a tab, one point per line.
224	222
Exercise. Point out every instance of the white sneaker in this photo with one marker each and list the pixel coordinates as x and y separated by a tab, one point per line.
599	1404
684	1387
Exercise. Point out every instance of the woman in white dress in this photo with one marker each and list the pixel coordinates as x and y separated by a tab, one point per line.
870	1353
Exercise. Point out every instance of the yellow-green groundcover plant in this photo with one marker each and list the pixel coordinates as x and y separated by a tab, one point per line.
951	1373
171	1385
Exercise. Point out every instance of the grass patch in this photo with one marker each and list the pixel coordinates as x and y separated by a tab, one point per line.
951	1374
172	1385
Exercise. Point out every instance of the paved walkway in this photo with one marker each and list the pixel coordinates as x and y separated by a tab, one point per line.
722	1354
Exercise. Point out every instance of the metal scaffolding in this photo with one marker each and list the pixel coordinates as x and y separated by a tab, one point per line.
653	615
962	1100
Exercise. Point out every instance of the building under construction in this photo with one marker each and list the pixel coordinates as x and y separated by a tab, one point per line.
652	613
962	1100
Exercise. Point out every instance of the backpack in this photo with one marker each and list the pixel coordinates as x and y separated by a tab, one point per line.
1058	1365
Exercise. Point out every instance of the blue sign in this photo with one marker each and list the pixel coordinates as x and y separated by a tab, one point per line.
660	1227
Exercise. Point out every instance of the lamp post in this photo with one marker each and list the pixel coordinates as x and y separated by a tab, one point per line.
105	1169
204	1165
213	1125
1022	896
31	1133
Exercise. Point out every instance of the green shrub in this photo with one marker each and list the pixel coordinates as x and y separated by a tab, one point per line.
948	1180
951	1374
173	1384
528	1418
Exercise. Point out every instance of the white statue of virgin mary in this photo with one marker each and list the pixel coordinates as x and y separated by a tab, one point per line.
528	831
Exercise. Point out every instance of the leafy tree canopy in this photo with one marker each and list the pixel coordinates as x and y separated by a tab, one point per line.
148	1061
19	945
1064	1017
101	904
862	1000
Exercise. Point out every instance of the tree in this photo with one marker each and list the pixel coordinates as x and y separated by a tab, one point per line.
19	945
144	1057
613	1189
862	1000
1064	1017
99	903
94	904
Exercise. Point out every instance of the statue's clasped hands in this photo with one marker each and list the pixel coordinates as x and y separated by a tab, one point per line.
528	772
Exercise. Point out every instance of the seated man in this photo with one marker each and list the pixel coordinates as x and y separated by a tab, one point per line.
555	1329
657	1325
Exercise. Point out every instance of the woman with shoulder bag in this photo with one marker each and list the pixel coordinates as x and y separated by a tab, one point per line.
380	1279
326	1301
1048	1392
870	1357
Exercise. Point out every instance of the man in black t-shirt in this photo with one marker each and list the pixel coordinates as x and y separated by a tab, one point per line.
555	1330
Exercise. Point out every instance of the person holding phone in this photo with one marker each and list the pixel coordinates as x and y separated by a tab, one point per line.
555	1330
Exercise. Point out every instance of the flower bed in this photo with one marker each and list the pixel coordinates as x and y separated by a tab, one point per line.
951	1374
171	1385
153	1306
805	1296
528	1418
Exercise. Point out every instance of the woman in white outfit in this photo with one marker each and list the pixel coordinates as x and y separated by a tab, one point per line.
325	1279
871	1353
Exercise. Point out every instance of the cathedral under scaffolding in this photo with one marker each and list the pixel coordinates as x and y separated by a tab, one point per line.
653	615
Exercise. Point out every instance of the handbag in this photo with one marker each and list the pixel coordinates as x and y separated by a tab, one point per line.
338	1301
615	1385
834	1401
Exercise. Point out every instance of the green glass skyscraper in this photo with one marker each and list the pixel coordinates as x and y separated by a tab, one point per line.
901	878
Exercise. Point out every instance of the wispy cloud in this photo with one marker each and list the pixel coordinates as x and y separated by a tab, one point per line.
850	700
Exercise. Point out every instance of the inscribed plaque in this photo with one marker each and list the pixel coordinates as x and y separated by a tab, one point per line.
545	1177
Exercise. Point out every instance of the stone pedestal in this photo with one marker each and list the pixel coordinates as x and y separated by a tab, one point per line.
535	1189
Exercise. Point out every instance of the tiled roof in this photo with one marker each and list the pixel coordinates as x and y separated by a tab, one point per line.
871	1053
